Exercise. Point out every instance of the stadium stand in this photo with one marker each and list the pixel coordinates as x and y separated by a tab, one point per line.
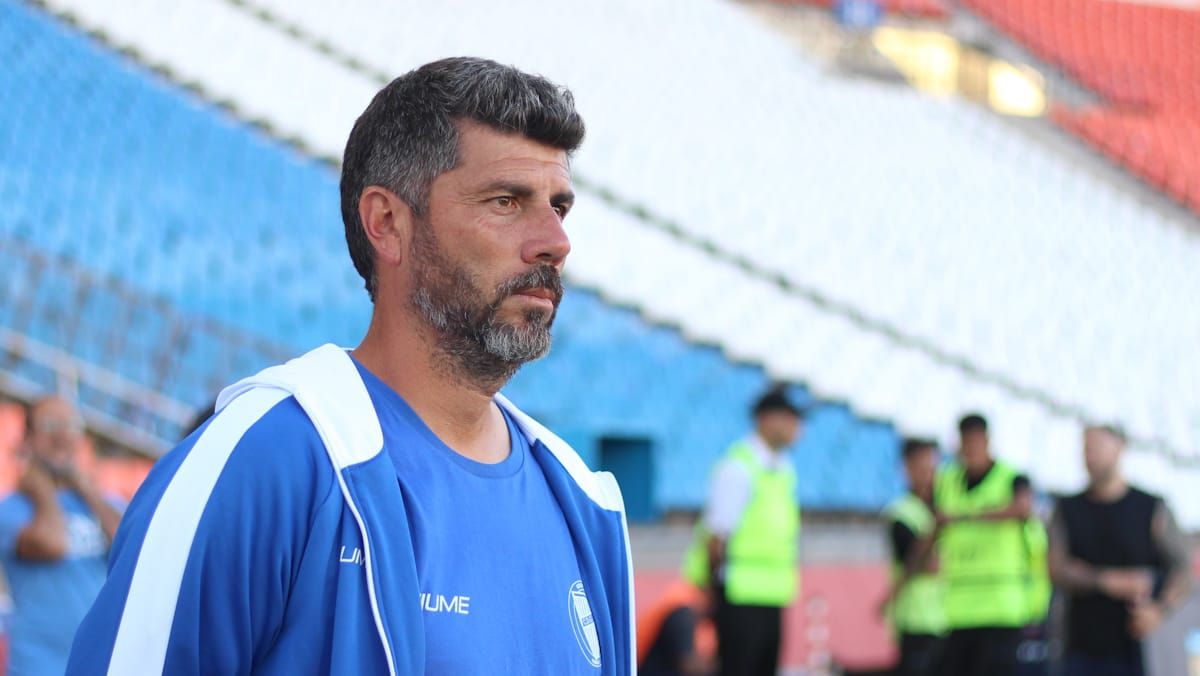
1141	60
137	367
828	239
167	232
172	255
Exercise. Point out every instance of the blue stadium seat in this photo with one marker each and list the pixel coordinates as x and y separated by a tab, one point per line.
134	178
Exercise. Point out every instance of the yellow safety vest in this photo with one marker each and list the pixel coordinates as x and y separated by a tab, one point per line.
761	554
919	607
991	568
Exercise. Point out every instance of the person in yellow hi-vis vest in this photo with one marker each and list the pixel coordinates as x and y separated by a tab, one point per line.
992	553
747	542
915	606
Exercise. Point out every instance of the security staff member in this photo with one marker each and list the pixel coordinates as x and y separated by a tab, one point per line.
915	605
745	551
992	554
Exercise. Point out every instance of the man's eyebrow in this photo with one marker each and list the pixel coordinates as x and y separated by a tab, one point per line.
515	189
522	191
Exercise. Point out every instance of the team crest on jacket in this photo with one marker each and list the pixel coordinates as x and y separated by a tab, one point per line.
583	624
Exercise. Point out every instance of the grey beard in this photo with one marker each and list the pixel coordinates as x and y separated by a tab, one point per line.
483	350
476	346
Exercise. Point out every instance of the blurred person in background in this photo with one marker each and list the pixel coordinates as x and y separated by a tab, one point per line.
745	552
992	554
676	636
54	539
915	603
1120	560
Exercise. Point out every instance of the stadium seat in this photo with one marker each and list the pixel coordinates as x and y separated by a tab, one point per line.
823	256
1141	59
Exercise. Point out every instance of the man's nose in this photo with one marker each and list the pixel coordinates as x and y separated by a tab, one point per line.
547	241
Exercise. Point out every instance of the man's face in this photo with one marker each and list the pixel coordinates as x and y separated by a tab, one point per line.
920	469
974	448
55	433
488	255
1101	455
779	429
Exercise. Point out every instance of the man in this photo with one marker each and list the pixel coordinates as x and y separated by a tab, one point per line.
746	546
54	536
1120	560
989	551
675	635
385	510
915	602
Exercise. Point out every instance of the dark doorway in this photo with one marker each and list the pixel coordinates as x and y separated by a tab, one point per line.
631	460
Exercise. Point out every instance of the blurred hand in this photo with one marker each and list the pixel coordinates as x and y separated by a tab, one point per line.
1144	618
36	481
1131	586
885	605
713	601
73	479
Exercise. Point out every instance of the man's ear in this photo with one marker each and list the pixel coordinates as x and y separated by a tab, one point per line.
388	222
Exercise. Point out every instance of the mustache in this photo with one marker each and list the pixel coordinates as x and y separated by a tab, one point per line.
541	277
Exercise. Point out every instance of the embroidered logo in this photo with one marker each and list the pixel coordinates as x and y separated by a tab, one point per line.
583	624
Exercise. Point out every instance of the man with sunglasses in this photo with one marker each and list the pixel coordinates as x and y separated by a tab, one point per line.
55	532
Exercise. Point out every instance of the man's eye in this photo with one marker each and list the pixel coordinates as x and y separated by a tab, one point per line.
505	202
561	211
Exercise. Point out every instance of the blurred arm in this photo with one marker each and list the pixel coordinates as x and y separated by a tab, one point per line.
1068	574
107	515
915	552
1021	506
729	494
44	538
1173	548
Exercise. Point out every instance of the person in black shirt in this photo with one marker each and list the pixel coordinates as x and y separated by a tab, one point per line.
1120	560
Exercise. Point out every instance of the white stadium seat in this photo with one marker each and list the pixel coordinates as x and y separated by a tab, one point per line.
929	216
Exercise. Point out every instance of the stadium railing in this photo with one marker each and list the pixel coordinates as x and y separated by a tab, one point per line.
136	389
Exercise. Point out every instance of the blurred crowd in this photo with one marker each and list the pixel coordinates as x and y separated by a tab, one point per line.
55	532
973	563
974	566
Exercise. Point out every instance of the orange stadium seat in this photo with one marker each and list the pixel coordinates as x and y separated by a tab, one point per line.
12	431
117	476
1142	60
121	476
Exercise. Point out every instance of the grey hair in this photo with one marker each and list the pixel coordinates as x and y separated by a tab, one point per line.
408	136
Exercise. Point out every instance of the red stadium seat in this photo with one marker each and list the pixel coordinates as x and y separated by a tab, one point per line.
12	432
1141	59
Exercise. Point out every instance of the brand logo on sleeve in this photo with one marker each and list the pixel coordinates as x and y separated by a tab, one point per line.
351	555
583	624
440	603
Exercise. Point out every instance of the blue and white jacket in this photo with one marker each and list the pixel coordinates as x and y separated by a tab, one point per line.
229	562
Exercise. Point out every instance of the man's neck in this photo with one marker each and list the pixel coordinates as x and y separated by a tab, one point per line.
924	495
765	445
982	472
1110	489
462	414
